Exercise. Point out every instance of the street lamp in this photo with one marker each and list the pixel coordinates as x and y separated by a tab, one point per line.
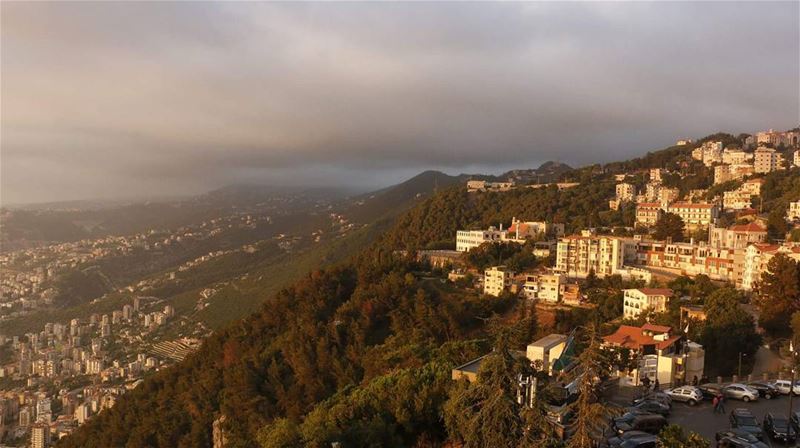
791	384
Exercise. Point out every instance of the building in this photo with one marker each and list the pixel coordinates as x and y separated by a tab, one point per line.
546	350
735	157
648	213
636	301
694	215
725	173
604	255
497	280
736	200
737	236
656	175
520	230
752	186
545	287
793	212
683	142
757	258
766	160
796	158
625	192
482	185
437	258
661	355
40	435
470	239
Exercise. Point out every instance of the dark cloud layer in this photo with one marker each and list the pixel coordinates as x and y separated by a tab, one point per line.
137	99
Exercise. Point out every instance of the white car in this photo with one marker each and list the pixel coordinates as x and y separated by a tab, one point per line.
687	394
740	392
784	385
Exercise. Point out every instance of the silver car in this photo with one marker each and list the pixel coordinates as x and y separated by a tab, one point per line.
740	391
686	394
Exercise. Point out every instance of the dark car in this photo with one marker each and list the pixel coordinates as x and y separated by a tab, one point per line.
710	390
777	427
651	423
765	389
743	419
616	442
652	406
795	421
736	438
660	397
649	441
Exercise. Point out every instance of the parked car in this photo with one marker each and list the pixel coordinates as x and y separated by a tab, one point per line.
794	420
646	441
777	427
735	438
739	391
651	423
616	442
765	389
661	397
686	394
783	386
744	420
710	390
652	406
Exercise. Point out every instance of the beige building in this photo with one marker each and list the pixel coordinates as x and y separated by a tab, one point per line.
752	186
497	280
757	258
482	185
736	200
656	175
725	173
648	213
637	301
605	255
625	192
694	216
546	350
767	160
737	236
545	287
520	230
796	158
793	212
736	157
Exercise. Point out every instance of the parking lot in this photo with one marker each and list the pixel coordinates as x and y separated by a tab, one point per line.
702	420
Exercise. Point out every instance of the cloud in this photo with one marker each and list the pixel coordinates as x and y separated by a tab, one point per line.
126	99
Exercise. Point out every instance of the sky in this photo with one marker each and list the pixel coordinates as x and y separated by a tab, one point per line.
139	99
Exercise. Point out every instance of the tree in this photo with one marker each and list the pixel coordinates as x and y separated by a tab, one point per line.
673	436
727	331
668	226
778	295
590	413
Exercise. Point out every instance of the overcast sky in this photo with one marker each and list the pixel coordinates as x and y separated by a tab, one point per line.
110	100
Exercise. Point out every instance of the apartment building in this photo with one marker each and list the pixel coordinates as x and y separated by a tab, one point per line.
470	239
694	216
656	175
796	158
752	186
648	213
545	287
639	300
497	280
767	160
625	192
757	258
737	236
605	255
692	258
725	173
735	157
736	200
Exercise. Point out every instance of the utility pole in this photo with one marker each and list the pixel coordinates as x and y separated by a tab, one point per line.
739	372
791	385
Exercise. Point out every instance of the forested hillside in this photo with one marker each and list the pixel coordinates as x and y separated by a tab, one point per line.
358	353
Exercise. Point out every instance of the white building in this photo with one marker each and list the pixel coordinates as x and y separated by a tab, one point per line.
735	157
497	280
546	350
470	239
793	212
625	192
636	301
545	287
605	255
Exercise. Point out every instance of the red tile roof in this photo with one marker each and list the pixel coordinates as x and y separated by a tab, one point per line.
633	337
751	227
656	328
689	205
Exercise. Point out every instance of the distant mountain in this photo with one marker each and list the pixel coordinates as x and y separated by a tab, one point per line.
547	172
369	207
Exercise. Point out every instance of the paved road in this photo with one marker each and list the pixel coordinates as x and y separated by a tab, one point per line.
702	420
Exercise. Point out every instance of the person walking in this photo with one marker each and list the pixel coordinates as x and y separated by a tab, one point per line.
721	403
715	404
655	385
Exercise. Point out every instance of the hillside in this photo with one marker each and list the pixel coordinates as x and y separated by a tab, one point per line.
360	352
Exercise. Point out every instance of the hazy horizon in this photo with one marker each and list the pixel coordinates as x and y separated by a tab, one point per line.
105	101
